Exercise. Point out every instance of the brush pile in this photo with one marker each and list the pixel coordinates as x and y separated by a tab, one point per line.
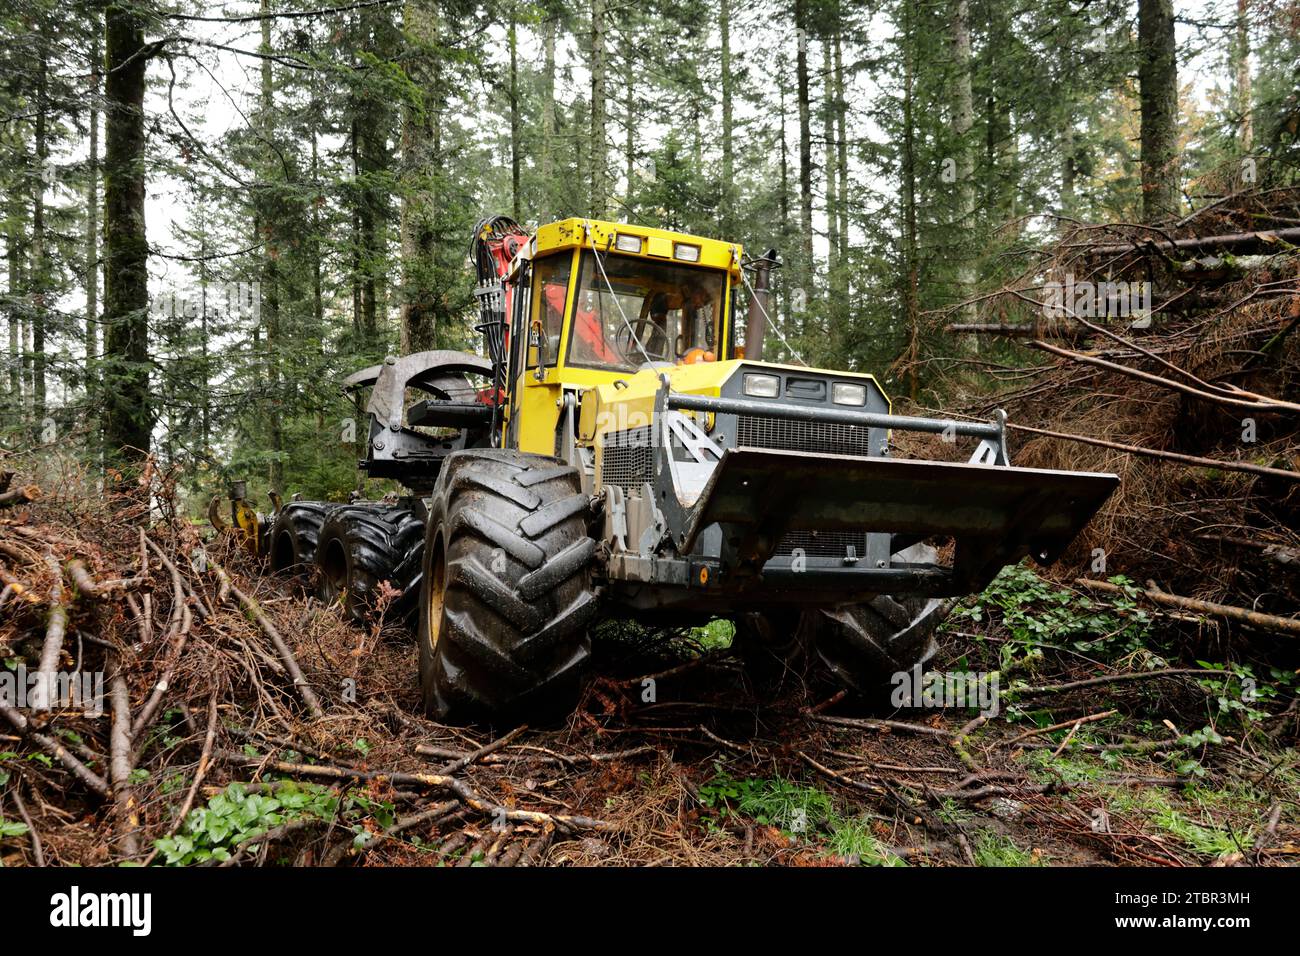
167	704
1171	357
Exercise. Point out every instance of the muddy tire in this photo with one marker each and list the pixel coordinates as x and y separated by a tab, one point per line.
360	546
295	535
865	645
860	647
506	595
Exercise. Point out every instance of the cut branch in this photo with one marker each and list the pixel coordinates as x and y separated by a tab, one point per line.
1264	622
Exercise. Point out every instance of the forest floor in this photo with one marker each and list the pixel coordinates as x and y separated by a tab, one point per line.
1151	760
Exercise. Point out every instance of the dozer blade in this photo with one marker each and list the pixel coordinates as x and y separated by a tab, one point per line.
996	514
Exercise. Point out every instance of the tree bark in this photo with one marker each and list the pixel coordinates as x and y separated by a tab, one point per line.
728	148
1242	102
1158	102
270	291
91	278
421	158
128	413
842	149
14	262
912	309
549	18
805	145
514	113
963	118
828	162
40	270
599	194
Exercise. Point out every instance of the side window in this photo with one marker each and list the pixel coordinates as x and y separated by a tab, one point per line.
551	288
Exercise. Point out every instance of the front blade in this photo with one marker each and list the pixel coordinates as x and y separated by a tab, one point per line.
996	514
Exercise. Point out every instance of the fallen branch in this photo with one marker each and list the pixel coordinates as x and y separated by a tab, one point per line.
1265	622
121	764
100	590
1075	723
364	842
883	725
460	788
1264	404
254	611
56	750
461	763
20	496
1116	679
1232	240
1194	460
52	649
38	852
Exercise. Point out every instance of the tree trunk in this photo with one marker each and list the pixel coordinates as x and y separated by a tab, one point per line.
629	115
40	271
728	152
805	146
421	159
91	278
270	291
911	301
828	162
514	114
1243	105
549	19
14	256
842	147
963	118
1158	101
599	194
128	415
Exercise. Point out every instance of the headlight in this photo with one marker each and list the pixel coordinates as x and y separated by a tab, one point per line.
762	386
685	252
625	243
847	393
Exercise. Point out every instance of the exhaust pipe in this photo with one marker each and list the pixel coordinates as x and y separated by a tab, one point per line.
756	323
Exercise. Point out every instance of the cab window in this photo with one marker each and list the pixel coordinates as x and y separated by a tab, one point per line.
551	288
637	309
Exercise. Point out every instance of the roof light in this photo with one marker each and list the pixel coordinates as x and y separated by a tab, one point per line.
626	243
686	252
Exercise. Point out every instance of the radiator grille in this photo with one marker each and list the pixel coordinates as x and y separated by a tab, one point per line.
824	544
831	438
625	458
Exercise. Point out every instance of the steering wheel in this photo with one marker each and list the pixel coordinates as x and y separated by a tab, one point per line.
626	341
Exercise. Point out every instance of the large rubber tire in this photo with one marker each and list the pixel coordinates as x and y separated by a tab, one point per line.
861	646
865	645
295	534
507	595
360	546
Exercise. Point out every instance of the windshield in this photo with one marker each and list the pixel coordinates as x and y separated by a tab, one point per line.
672	310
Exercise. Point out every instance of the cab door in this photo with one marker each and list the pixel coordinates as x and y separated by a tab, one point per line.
537	337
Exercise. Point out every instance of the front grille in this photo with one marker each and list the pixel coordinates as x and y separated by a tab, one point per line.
824	544
830	438
625	458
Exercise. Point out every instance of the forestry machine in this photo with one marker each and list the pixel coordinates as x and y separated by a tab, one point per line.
624	449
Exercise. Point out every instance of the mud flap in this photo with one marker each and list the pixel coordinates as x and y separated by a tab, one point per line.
996	514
